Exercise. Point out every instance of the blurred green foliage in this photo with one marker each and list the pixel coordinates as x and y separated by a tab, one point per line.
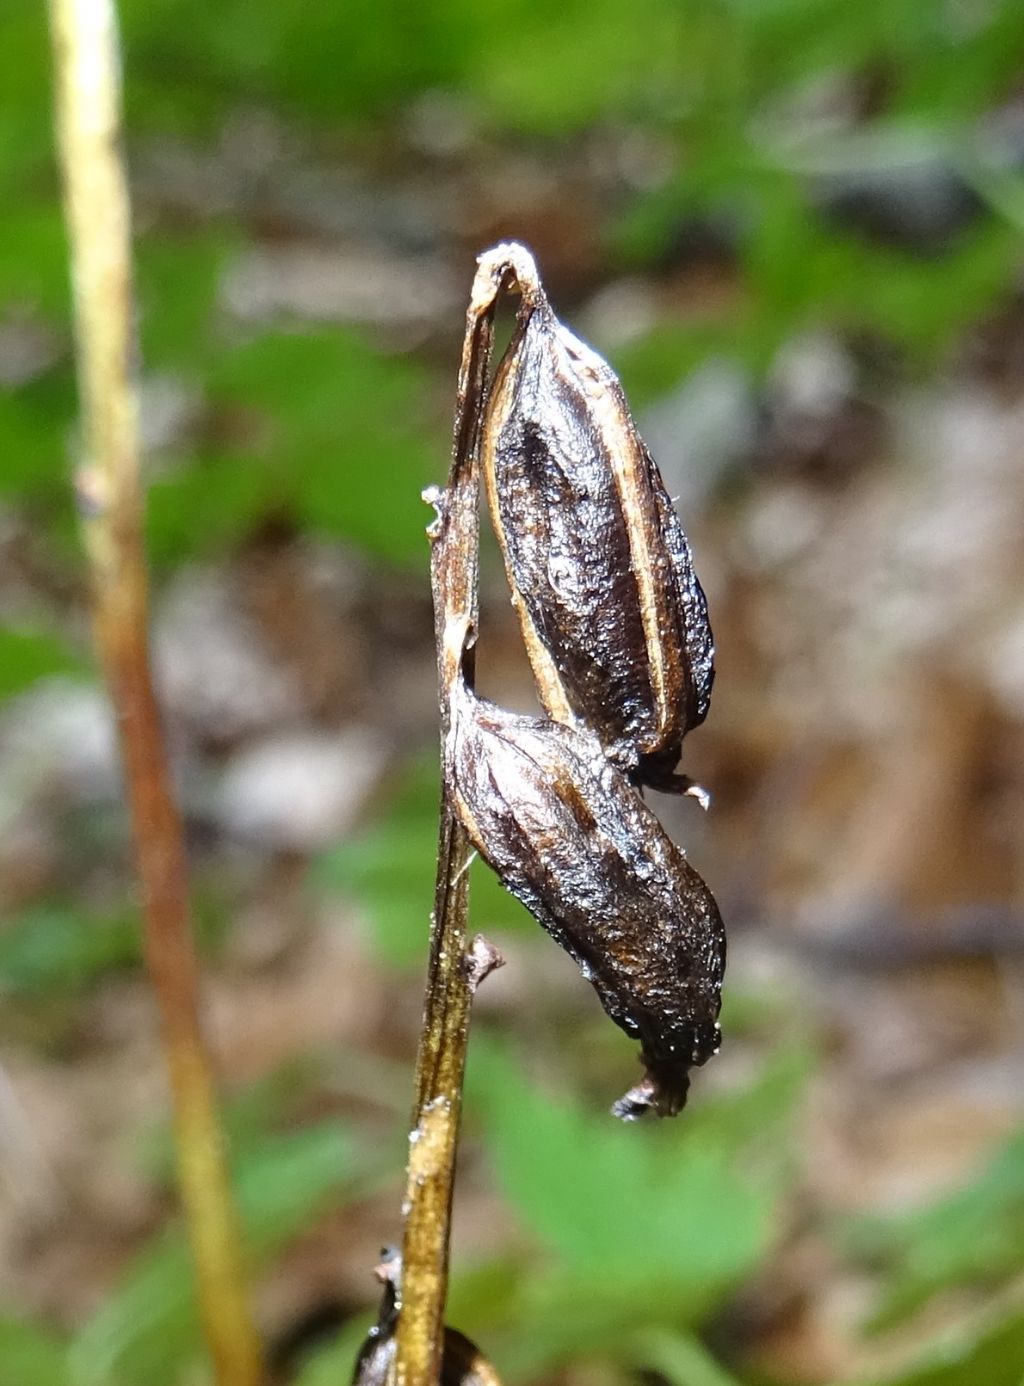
682	1217
61	948
28	655
974	1237
736	96
389	869
298	399
148	1331
30	1355
989	1357
627	1244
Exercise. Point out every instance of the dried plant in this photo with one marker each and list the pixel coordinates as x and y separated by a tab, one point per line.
87	65
612	614
615	625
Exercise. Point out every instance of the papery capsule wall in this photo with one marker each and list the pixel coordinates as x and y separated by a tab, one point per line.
613	616
572	839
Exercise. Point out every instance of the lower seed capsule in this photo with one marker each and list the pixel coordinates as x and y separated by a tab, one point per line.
572	839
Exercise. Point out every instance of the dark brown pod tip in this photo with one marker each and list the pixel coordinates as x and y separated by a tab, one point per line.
572	839
613	616
462	1364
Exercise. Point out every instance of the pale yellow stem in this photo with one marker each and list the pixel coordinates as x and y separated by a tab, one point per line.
98	218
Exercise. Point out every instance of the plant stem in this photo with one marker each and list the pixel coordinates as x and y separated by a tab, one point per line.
451	978
109	494
434	1136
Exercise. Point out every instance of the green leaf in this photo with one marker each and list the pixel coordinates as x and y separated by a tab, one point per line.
176	285
63	948
34	270
990	1356
620	69
204	508
188	66
28	655
30	1355
642	1230
26	141
390	869
975	1236
35	422
645	1228
678	1357
148	1331
672	1210
317	426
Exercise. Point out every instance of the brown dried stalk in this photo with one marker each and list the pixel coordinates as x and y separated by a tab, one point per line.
615	624
454	967
108	488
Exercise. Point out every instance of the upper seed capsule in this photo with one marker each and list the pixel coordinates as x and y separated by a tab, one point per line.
612	614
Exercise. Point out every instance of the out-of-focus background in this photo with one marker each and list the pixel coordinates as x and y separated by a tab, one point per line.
795	228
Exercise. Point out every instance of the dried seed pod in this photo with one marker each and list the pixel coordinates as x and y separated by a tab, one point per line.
462	1362
614	619
572	839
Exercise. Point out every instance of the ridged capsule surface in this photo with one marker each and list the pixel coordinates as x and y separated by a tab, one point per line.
571	838
613	616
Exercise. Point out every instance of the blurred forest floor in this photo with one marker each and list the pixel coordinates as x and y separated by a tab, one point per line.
811	286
